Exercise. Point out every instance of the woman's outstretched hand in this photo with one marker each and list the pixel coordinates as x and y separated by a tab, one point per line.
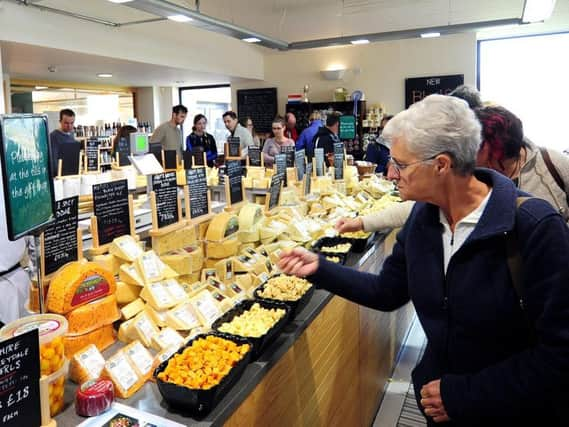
298	262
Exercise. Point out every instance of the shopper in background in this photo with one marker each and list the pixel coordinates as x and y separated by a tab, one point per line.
469	94
291	131
200	138
378	151
273	145
122	132
169	134
59	138
306	137
481	366
238	131
328	135
247	122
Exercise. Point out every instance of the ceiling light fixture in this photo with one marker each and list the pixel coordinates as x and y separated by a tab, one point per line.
537	10
41	87
180	18
251	40
430	35
360	41
120	1
105	75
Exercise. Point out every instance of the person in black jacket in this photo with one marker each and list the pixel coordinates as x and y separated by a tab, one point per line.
328	135
200	138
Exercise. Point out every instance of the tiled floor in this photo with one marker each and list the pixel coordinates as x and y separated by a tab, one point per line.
398	407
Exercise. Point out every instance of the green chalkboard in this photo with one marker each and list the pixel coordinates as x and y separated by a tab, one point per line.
28	188
347	127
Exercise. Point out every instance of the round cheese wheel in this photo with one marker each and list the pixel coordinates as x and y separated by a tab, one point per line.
94	397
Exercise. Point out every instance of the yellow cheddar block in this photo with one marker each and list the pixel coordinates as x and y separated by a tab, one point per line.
123	374
132	309
190	278
126	332
224	249
207	308
129	274
126	248
175	290
157	316
109	262
140	359
127	293
93	315
224	269
102	338
149	267
87	364
173	241
156	295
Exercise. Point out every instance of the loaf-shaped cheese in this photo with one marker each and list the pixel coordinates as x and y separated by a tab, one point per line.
93	315
103	338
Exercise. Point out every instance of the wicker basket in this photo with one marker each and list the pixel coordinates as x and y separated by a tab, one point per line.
365	168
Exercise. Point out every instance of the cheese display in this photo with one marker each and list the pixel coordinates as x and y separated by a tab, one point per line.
123	375
254	322
108	262
102	337
140	359
126	293
156	295
207	308
94	397
132	309
149	267
285	288
126	248
184	261
93	315
87	364
183	317
129	274
224	249
173	241
143	328
76	284
223	225
125	333
157	316
167	338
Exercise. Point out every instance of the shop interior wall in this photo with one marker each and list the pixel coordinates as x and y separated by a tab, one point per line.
379	69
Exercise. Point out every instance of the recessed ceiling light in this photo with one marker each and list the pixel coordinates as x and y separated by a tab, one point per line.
430	35
179	18
537	11
105	75
41	87
119	1
360	41
251	40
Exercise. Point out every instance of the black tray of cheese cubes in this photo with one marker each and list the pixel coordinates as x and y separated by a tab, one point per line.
295	306
324	242
259	343
200	402
359	244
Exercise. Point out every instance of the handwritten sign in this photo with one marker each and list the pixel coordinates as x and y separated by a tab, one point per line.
28	187
254	154
300	164
233	147
166	190
420	87
111	207
123	148
280	164
60	237
308	179
288	150
260	105
275	191
319	159
19	380
338	160
197	186
235	178
92	154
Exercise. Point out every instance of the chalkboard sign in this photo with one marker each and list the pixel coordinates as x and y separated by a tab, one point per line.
20	380
258	104
197	154
254	154
156	149
197	186
111	207
92	154
26	178
319	159
289	151
60	237
70	155
233	147
308	179
275	191
170	159
300	164
347	127
338	160
165	188
280	164
123	148
235	178
420	87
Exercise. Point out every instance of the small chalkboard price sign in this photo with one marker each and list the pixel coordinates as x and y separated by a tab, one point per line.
69	162
289	151
113	212
59	240
300	164
198	157
165	206
170	159
308	179
234	183
274	192
19	381
92	155
233	148
254	156
338	160
197	196
280	166
319	159
123	151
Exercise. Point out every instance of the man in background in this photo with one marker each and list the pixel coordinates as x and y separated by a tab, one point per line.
328	135
59	138
291	131
307	136
238	131
169	134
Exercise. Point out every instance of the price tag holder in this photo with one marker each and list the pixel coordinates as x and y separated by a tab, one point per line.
164	202
274	195
338	160
300	164
255	157
319	161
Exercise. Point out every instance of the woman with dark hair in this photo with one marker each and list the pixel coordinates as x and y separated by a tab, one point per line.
273	145
123	132
200	138
247	122
544	173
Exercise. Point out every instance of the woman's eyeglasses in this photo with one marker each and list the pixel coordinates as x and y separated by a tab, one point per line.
398	167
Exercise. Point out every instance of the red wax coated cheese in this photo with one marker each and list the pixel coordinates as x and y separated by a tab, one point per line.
94	397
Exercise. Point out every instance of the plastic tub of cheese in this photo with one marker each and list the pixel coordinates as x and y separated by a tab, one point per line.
289	290
55	386
51	328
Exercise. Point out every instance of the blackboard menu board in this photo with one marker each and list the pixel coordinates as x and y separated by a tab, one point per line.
70	157
420	87
275	190
26	178
308	176
347	127
254	154
338	160
319	160
165	188
110	202
170	159
92	154
197	186
258	104
300	164
233	172
288	150
60	237
156	149
280	163
19	383
233	146
197	154
123	148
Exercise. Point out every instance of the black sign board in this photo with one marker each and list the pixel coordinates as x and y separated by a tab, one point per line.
70	156
187	159
26	178
156	149
60	237
275	191
308	177
420	87
338	160
260	105
110	202
254	154
289	151
123	148
170	159
196	180
300	164
235	177
234	147
221	175
319	159
165	188
20	380
197	154
280	163
91	155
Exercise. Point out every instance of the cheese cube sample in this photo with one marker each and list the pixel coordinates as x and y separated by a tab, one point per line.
144	328
132	309
126	248
140	359
129	274
167	338
87	364
127	293
123	375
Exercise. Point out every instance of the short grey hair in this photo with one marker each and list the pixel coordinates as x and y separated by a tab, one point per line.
439	124
469	94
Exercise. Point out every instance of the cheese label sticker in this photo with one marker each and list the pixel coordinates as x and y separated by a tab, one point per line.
92	361
130	248
140	357
122	371
151	266
93	287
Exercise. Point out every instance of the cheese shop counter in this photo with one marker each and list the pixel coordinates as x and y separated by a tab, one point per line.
329	365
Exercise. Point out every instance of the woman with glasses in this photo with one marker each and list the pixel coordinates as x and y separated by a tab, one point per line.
247	122
273	145
490	360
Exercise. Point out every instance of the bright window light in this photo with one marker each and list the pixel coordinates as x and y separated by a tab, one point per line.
179	18
538	10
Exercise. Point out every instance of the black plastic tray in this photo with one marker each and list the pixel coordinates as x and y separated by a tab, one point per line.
260	343
295	306
360	245
199	401
331	241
